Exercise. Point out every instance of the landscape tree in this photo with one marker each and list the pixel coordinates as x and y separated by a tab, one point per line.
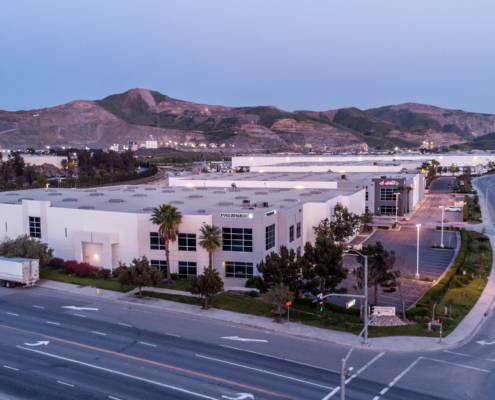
84	162
17	162
26	247
278	268
404	286
453	169
123	275
343	224
207	285
425	165
279	294
210	239
358	275
367	218
168	219
30	174
322	265
483	247
380	266
323	229
143	274
6	172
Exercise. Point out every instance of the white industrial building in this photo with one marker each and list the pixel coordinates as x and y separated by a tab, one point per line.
380	189
109	225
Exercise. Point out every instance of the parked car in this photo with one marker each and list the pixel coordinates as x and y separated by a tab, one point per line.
452	209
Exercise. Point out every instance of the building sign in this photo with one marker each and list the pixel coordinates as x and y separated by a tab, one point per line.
270	213
350	303
385	311
389	183
236	215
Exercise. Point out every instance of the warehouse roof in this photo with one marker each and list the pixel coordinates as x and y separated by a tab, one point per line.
142	198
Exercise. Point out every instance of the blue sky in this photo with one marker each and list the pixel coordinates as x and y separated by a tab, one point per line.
313	55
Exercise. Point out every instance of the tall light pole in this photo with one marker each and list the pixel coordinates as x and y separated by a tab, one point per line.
396	208
417	254
443	209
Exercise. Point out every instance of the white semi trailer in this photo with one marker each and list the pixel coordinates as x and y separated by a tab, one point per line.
18	271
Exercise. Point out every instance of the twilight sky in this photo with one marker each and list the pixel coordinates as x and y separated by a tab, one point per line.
311	55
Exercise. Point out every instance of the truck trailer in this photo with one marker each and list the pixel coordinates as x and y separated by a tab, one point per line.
18	271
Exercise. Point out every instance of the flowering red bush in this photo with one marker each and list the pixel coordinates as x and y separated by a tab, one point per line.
104	273
56	263
84	269
70	266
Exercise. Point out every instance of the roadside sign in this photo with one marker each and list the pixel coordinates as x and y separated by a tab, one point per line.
289	303
385	311
350	303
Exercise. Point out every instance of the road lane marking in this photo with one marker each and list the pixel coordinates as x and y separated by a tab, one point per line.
237	338
67	384
120	373
80	315
13	314
6	366
80	308
457	365
280	358
99	333
125	325
53	323
331	393
39	307
113	398
170	334
264	371
148	344
187	371
363	368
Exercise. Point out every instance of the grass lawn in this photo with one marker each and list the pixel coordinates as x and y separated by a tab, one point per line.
179	285
61	276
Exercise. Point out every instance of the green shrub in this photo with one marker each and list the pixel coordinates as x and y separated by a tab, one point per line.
465	209
251	282
175	276
418	312
455	284
383	227
253	293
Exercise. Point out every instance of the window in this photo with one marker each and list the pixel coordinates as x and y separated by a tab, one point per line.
270	236
35	227
291	233
366	208
187	268
161	265
237	239
387	194
156	242
298	230
187	241
298	253
238	269
387	210
366	196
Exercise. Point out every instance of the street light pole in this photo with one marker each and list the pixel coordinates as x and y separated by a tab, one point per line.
443	209
417	254
396	208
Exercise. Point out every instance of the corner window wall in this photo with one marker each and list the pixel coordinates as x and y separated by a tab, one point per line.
238	269
35	227
187	242
387	194
156	242
187	268
237	239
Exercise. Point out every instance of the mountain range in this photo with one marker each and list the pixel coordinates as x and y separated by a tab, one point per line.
139	113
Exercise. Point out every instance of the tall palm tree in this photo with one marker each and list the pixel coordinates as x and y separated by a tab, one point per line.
211	239
168	219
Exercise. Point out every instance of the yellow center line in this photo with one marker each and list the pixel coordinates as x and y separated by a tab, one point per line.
151	362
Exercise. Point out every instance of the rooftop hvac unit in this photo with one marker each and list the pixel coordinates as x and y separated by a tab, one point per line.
265	204
245	203
343	176
383	177
259	204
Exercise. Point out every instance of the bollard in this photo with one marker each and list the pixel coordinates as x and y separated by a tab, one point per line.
429	326
97	291
445	311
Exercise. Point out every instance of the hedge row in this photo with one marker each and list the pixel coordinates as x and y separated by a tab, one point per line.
425	304
465	209
329	306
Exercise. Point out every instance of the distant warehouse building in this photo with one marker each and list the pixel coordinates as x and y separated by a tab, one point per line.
109	225
382	191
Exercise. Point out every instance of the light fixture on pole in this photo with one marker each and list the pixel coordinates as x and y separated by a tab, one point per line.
417	254
443	209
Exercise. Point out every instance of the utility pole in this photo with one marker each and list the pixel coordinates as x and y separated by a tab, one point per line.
417	254
443	208
396	208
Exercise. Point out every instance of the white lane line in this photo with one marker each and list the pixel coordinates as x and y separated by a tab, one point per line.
376	397
39	307
80	315
13	314
363	368
264	371
331	393
459	354
99	333
6	366
384	391
113	398
148	344
124	325
280	358
53	323
67	384
119	373
404	372
169	334
457	365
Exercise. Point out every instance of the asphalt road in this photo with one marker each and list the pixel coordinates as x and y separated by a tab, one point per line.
128	351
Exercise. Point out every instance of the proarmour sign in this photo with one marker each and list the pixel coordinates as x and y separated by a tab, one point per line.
236	215
389	183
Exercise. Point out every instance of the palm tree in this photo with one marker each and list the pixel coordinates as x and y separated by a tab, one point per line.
211	239
168	219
